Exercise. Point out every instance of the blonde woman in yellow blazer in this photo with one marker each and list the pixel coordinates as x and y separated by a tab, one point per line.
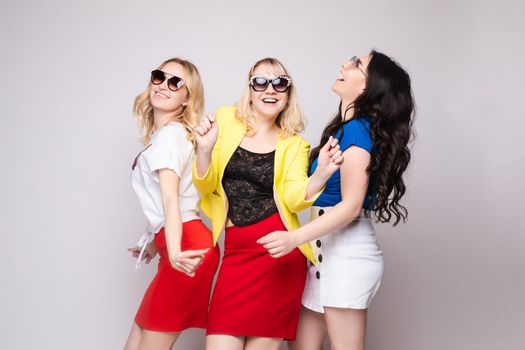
251	168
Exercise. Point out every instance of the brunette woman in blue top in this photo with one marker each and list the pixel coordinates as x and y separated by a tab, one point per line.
374	128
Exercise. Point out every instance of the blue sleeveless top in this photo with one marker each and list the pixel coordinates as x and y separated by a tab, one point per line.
355	132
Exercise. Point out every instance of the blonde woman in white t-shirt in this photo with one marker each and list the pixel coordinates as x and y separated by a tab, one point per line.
177	298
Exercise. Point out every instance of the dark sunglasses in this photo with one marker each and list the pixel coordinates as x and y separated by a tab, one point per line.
158	77
279	84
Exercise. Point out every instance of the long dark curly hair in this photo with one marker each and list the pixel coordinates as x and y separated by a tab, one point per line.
388	101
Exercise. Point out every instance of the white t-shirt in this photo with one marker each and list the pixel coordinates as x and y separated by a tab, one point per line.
169	148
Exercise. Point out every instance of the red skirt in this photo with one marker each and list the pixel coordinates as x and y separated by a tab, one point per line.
255	294
174	301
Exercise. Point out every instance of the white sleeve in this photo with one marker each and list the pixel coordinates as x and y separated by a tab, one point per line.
143	242
145	239
171	150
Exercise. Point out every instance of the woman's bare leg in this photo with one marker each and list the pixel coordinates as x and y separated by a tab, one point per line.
310	331
224	342
152	340
346	328
262	343
133	342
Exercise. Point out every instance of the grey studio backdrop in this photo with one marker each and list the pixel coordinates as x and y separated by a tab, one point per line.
69	73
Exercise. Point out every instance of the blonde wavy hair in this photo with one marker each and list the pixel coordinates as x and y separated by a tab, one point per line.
291	120
191	114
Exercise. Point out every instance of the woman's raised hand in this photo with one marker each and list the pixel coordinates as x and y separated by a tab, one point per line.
206	134
330	157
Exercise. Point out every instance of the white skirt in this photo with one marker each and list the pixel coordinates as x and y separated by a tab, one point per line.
349	266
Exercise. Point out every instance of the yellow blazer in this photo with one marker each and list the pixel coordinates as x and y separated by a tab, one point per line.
290	176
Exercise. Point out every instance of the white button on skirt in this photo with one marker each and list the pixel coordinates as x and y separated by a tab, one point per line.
349	266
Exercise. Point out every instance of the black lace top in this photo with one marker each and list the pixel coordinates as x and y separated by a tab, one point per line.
248	183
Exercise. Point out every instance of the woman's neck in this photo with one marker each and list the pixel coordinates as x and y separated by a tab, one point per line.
266	125
161	118
347	113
